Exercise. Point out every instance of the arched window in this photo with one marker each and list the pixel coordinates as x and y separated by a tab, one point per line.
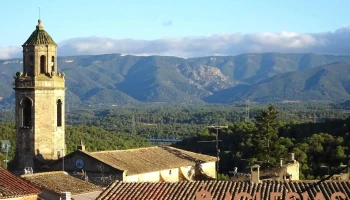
59	112
42	64
27	112
53	63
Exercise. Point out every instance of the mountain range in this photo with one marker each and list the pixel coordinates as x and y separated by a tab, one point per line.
116	79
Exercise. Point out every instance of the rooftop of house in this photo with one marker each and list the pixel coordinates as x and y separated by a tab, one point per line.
12	186
218	189
149	159
59	182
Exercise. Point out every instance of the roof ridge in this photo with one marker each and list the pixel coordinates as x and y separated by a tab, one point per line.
191	152
43	173
133	149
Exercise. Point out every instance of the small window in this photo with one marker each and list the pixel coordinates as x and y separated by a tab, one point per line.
254	169
31	61
169	172
58	154
53	63
59	112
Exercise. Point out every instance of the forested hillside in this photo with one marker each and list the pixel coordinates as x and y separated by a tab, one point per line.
318	134
115	79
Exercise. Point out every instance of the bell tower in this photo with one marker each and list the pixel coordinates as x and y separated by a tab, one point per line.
40	99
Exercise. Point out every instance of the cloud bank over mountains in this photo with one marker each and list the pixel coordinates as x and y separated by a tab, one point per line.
337	42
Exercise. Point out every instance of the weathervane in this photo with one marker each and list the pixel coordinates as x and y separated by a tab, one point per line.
39	12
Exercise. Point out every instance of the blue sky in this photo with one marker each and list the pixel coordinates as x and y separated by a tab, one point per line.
162	20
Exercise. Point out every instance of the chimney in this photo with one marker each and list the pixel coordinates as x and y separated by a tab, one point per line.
281	162
65	196
81	146
291	156
255	174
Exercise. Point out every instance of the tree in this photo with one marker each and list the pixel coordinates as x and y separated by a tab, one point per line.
266	140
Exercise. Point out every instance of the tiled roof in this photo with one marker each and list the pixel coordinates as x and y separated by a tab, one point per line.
12	186
218	189
39	36
143	160
60	182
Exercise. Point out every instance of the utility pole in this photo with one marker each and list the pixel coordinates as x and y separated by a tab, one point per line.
62	149
5	145
217	143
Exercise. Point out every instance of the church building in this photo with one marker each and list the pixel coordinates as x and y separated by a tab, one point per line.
39	98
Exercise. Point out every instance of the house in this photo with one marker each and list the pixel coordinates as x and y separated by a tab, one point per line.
56	184
222	190
15	188
152	164
288	171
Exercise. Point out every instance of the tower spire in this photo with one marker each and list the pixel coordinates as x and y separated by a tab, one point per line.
39	26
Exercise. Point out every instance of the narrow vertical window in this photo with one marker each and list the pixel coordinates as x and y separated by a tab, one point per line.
31	66
53	63
27	112
59	112
42	64
25	70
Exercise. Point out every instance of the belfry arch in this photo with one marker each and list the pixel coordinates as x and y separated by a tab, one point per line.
43	64
27	105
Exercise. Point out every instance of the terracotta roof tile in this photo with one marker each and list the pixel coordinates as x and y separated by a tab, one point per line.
12	186
143	160
187	190
60	182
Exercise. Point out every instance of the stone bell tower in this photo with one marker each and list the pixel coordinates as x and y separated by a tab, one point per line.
40	99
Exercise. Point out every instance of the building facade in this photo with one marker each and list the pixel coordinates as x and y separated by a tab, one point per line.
40	99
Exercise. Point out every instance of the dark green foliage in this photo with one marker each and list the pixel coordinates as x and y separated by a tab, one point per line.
244	143
98	139
94	138
7	132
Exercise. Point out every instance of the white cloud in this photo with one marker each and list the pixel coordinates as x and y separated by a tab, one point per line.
337	42
9	52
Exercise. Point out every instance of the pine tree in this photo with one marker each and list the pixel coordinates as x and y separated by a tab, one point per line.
266	139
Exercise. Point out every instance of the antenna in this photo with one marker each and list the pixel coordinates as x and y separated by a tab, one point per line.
217	143
39	12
